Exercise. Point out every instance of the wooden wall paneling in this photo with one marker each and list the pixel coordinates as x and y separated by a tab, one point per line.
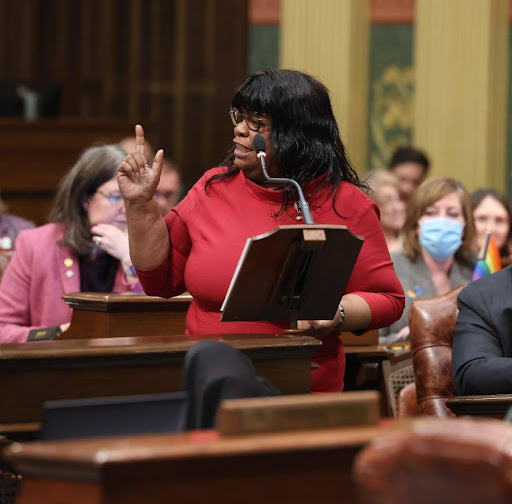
207	115
72	96
29	20
105	21
170	64
120	64
197	130
180	80
231	36
153	59
135	47
36	155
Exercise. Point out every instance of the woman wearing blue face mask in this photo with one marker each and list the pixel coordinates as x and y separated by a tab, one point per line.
437	238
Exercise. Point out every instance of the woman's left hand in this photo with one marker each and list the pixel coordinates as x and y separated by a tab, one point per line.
320	327
112	240
358	317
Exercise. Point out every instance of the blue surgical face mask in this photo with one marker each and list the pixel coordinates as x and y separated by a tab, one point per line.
440	237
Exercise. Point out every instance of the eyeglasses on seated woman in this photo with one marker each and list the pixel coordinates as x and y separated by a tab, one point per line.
83	248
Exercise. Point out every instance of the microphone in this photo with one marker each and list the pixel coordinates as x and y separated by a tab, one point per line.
260	148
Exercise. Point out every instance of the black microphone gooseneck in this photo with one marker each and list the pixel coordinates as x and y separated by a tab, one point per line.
260	148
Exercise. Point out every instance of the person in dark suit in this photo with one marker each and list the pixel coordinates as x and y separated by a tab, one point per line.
482	342
214	372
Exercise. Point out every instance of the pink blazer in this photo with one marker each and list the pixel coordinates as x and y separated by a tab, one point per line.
40	272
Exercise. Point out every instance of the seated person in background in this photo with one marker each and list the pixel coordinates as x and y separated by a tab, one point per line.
385	191
482	342
492	210
437	239
410	167
197	246
85	248
10	226
128	144
168	192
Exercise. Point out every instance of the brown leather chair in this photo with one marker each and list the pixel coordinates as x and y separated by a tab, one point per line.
432	323
407	402
438	460
5	258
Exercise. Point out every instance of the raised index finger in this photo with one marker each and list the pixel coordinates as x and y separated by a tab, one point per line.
139	139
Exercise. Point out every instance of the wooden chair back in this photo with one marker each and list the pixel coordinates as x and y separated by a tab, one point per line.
397	375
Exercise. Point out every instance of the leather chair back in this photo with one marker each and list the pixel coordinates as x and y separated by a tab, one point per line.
432	323
455	460
407	402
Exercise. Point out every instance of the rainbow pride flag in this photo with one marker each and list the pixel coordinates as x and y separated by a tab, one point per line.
490	260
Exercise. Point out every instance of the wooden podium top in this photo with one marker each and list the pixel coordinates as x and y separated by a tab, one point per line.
126	301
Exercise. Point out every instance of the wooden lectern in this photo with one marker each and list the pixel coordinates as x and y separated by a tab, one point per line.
112	315
292	273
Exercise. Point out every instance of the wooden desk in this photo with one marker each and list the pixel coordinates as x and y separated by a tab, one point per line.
109	315
495	406
299	467
364	371
37	372
98	315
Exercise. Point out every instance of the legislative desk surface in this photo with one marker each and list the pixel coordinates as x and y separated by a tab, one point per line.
299	467
496	405
36	372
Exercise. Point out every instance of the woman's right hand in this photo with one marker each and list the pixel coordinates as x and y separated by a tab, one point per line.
137	180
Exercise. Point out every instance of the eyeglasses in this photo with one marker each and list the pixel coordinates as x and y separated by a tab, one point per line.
252	119
114	198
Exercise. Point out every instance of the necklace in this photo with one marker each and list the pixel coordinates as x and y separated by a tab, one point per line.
298	210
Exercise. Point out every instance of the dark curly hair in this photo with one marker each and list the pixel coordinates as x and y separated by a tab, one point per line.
305	137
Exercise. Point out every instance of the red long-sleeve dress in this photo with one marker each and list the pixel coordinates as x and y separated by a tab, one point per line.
208	232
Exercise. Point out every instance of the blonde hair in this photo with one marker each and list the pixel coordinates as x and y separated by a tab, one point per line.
377	179
426	195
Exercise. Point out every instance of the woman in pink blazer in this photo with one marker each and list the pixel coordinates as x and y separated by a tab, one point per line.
84	248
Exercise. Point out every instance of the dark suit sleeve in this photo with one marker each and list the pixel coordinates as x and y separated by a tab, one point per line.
478	363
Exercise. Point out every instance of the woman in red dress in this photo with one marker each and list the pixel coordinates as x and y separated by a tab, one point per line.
197	245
